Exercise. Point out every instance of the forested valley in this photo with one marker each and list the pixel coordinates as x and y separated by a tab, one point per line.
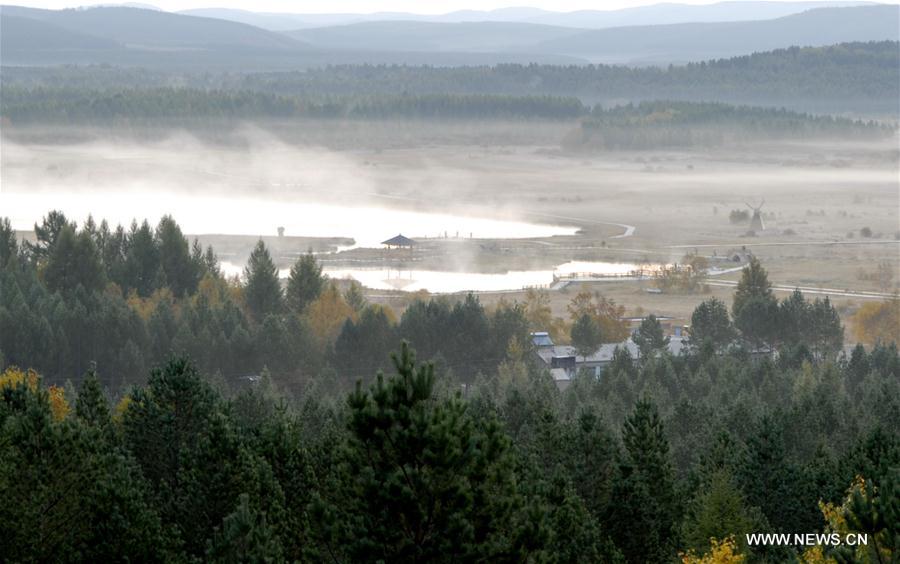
154	409
855	78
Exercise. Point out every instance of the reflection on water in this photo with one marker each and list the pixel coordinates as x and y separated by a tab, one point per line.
441	282
200	214
596	268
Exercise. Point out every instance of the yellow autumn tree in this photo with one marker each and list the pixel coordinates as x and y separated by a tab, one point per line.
146	306
59	406
540	315
213	289
720	552
121	408
326	315
606	312
860	497
14	376
877	321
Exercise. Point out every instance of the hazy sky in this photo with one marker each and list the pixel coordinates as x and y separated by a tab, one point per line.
367	6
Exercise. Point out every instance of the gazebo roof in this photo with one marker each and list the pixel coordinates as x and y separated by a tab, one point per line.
399	241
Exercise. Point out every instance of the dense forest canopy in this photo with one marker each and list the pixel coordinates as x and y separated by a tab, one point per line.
176	415
150	106
684	124
856	78
645	125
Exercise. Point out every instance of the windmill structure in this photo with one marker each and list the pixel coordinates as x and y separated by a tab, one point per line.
756	222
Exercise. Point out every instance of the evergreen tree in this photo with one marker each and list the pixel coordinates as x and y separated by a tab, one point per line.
355	297
74	261
178	431
644	515
773	483
754	284
262	289
211	262
858	366
757	320
826	331
244	537
305	282
9	245
142	264
364	344
719	510
649	337
46	234
420	463
710	323
175	258
794	319
585	334
91	405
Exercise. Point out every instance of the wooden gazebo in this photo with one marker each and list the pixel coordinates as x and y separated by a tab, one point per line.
399	242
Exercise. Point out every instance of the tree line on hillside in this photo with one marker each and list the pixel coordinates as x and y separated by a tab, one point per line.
685	124
150	105
471	453
849	77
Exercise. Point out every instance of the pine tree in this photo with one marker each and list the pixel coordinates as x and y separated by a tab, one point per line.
644	512
857	367
825	329
585	334
91	405
262	289
74	261
245	537
418	480
355	297
142	266
773	483
211	262
794	319
718	511
710	323
305	282
175	258
46	234
9	245
363	344
649	337
754	283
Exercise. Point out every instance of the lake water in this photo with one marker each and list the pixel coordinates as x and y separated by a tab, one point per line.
445	282
200	214
367	225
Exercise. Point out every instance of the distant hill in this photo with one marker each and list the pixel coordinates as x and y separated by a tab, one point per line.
26	34
149	29
275	21
670	13
430	36
655	14
656	44
698	41
162	40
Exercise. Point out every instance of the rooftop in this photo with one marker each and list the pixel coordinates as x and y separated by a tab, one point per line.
399	241
604	354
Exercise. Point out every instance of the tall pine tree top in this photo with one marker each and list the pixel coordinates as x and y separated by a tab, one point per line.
263	290
754	283
305	282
